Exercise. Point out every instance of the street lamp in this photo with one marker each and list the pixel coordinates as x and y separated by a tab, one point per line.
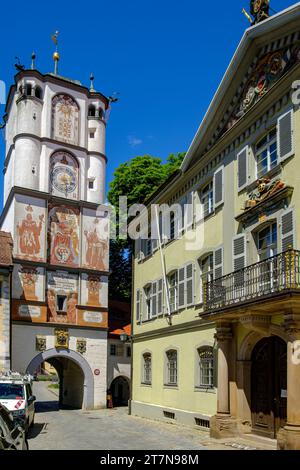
124	337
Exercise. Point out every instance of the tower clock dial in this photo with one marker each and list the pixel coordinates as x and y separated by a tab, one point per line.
64	179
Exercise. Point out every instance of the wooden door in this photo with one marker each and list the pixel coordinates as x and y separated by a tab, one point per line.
269	384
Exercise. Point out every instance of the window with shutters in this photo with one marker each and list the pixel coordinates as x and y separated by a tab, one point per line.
266	153
147	369
207	199
173	291
206	367
267	242
172	368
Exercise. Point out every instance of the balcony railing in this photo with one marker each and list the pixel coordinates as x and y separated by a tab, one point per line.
271	276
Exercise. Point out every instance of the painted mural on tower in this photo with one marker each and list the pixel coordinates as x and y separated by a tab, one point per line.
94	290
65	119
30	229
95	244
64	175
63	235
28	283
62	297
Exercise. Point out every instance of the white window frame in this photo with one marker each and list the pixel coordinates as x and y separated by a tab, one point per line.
267	147
211	198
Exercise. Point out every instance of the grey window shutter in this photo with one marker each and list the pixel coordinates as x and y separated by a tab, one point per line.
219	187
239	252
181	288
287	230
242	159
218	263
285	135
160	297
154	300
138	305
189	277
189	210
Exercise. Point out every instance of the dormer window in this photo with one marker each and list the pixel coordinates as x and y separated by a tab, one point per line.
92	110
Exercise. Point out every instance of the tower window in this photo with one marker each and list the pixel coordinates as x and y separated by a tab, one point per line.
28	89
92	110
38	92
91	184
33	169
92	135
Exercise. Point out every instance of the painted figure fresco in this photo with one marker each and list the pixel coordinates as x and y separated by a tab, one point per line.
62	297
28	236
95	243
65	119
94	286
29	278
64	175
64	236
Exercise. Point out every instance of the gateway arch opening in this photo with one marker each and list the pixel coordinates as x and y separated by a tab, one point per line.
75	386
66	381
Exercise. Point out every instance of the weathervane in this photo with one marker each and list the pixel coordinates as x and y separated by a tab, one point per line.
260	11
56	55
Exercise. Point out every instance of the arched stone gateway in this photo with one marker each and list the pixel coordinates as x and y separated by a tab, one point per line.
82	366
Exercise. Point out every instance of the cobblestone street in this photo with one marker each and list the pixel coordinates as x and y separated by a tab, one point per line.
102	430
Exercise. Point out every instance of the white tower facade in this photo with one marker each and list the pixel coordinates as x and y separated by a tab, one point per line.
54	190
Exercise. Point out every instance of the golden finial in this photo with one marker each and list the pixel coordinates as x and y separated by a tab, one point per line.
56	55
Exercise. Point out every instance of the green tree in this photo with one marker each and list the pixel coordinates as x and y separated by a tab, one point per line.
137	180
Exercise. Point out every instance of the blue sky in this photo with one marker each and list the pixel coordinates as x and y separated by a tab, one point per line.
165	58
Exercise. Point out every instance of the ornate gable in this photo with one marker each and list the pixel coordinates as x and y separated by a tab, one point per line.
267	52
268	69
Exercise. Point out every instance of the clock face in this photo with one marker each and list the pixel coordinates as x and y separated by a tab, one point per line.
63	179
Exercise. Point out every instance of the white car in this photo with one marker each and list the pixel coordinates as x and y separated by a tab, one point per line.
16	395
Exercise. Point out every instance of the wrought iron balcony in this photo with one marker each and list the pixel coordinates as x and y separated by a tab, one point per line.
272	276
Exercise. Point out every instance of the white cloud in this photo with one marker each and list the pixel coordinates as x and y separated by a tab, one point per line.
134	141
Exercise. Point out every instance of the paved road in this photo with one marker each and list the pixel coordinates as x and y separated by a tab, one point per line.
102	430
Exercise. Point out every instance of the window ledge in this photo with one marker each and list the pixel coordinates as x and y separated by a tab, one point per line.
171	387
146	385
212	391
